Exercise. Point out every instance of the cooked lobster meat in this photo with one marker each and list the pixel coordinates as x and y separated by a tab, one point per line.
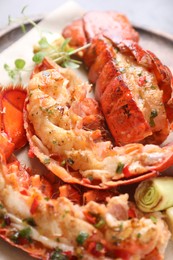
49	219
56	228
66	130
110	24
132	85
134	90
55	121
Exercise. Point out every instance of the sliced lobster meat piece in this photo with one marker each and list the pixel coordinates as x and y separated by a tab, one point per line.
149	81
70	143
110	24
130	69
75	29
149	60
121	110
96	49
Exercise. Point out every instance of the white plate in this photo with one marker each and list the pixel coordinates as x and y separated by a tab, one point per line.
159	43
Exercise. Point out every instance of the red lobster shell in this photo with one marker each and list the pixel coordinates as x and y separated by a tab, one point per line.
120	88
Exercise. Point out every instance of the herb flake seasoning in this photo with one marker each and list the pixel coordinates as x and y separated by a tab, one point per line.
58	254
154	219
1	206
99	246
23	233
81	238
30	221
153	114
119	228
139	235
70	161
46	160
120	167
100	223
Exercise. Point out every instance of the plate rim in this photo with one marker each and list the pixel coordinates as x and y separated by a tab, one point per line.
37	18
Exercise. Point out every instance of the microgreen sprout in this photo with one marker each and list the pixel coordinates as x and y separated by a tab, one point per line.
23	20
59	51
15	73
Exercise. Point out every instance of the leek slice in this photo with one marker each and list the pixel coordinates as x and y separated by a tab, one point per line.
155	194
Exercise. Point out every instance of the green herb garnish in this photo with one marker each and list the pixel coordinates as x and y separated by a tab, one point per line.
19	64
23	20
1	206
47	198
153	114
26	232
81	238
153	87
120	167
154	219
30	221
15	72
46	160
70	161
99	246
23	233
63	163
58	255
119	228
38	57
100	222
139	235
59	51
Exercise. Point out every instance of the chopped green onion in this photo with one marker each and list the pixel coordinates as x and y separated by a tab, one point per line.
154	219
58	255
101	222
119	228
138	235
153	87
46	160
1	206
120	167
26	232
81	238
153	114
99	246
30	221
70	161
63	163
